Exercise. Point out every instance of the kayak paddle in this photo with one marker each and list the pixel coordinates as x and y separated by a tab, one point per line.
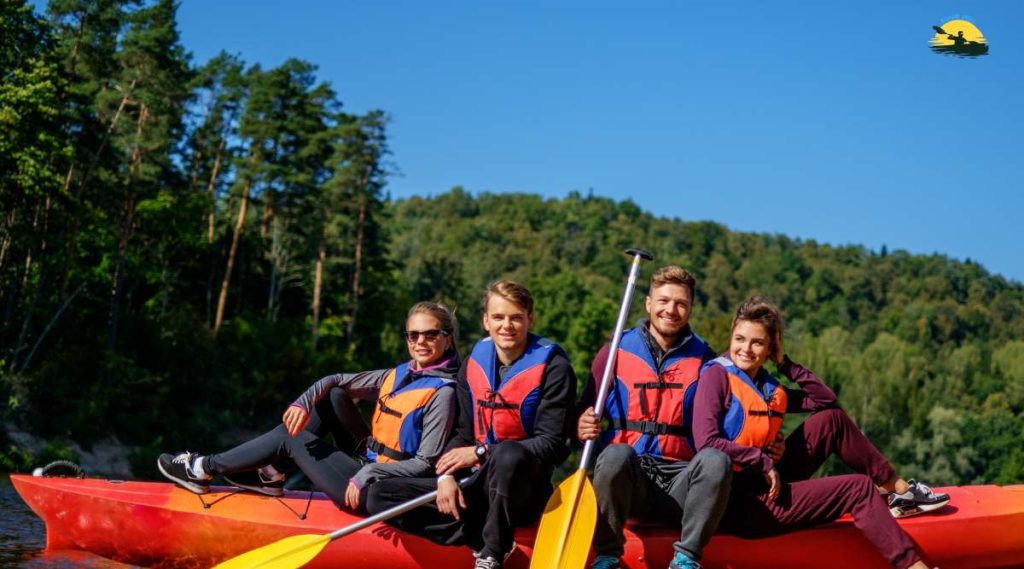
295	551
567	526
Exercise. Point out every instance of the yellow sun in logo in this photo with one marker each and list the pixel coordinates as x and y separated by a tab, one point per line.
952	35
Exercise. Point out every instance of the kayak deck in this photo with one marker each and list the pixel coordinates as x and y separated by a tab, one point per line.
158	524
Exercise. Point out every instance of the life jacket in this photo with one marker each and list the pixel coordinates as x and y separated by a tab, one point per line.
398	417
755	414
651	409
506	409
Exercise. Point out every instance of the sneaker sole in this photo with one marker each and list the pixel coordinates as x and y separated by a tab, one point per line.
900	512
190	486
264	490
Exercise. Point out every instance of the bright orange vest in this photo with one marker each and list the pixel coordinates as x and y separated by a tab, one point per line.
398	418
754	415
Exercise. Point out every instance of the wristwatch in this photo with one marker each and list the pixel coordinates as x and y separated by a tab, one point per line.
481	452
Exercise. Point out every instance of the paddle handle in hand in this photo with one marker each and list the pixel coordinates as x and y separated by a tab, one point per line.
627	300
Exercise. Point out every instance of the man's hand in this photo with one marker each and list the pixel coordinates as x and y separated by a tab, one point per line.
455	460
776	448
295	419
449	496
588	427
774	483
352	496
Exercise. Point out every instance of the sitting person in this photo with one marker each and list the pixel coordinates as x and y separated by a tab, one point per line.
650	470
415	411
739	410
515	394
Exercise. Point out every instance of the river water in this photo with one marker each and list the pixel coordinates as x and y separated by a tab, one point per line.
23	537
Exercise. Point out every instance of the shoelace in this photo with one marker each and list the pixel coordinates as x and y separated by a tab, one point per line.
924	489
186	459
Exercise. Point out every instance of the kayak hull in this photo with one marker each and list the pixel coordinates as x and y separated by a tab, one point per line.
158	524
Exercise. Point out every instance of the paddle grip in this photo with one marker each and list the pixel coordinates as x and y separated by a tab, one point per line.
620	324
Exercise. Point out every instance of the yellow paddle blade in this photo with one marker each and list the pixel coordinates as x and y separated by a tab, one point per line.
567	527
289	553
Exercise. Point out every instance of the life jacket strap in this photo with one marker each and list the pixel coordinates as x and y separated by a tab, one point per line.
655	428
379	448
770	413
643	387
388	410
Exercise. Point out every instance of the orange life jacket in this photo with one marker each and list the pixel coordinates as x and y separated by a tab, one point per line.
651	409
505	409
398	418
754	414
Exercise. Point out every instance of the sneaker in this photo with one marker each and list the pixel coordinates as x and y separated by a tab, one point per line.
918	499
257	481
181	469
486	563
683	561
606	562
490	562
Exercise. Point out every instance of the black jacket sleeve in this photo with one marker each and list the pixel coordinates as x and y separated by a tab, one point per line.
555	422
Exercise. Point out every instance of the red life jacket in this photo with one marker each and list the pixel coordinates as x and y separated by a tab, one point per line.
506	409
754	415
398	418
651	409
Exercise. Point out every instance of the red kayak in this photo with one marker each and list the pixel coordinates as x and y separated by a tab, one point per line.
158	524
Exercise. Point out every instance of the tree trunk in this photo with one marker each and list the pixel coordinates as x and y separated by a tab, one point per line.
72	242
357	271
211	190
20	345
5	245
127	224
49	326
235	238
317	280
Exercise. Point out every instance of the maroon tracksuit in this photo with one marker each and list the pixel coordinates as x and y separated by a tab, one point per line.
803	502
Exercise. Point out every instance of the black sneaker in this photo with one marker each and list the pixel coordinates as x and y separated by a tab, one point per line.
255	481
179	469
918	499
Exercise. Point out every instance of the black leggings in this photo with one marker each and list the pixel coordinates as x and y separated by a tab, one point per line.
329	467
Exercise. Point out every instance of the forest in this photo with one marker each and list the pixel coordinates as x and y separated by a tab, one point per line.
184	247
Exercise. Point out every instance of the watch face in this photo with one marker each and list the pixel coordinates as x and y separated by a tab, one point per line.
481	450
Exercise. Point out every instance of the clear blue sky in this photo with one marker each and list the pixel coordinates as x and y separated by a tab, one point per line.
815	120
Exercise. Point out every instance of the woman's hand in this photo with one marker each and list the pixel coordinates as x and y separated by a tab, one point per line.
776	448
588	427
352	495
295	419
774	483
456	459
449	496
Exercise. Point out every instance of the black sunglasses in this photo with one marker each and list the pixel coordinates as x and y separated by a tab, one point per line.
413	336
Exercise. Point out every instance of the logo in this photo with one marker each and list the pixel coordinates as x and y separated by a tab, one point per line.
960	38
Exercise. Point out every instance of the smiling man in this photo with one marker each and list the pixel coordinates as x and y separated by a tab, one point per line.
515	393
650	469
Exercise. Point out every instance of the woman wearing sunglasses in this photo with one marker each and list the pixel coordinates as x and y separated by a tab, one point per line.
413	415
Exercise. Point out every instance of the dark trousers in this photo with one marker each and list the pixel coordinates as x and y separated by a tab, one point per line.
804	502
695	492
510	490
328	466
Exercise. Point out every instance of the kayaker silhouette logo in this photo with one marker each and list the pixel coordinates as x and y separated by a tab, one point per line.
960	38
